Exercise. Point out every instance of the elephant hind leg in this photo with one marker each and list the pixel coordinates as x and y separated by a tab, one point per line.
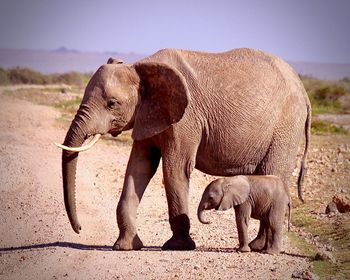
281	156
275	230
273	245
258	244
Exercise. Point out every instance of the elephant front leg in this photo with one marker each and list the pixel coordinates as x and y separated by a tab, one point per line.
142	165
177	188
242	220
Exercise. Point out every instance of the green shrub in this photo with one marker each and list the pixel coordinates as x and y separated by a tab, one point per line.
329	93
70	106
325	96
28	76
4	79
323	127
70	78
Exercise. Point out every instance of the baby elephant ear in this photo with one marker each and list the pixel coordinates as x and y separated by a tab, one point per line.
236	191
164	98
112	60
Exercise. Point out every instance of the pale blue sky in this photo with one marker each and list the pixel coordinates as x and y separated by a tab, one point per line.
297	30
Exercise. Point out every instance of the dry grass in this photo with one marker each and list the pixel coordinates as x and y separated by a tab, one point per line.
328	174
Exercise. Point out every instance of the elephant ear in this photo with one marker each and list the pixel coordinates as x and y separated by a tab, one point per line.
112	60
235	193
164	99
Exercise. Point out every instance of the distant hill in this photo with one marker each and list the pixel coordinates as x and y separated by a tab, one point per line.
328	71
64	60
60	60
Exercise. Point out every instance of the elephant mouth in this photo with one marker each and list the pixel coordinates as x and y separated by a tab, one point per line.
115	133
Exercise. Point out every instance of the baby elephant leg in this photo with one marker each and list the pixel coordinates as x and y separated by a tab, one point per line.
258	244
274	246
242	220
275	233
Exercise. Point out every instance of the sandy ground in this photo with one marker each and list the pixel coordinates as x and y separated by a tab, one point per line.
37	242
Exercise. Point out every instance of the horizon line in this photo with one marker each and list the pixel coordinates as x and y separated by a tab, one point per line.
64	49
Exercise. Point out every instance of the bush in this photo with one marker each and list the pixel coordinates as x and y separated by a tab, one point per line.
27	76
329	93
4	79
323	127
70	78
327	96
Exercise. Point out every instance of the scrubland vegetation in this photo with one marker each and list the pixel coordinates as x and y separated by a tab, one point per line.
327	97
18	75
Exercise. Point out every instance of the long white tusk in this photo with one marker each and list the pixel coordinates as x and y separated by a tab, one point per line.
82	148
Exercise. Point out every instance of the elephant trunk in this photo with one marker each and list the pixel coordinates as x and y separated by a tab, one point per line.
200	214
75	137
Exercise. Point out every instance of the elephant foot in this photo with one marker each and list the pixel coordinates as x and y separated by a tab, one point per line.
257	245
179	244
181	240
244	249
127	244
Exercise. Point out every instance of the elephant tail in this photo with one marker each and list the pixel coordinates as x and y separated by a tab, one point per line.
303	168
289	213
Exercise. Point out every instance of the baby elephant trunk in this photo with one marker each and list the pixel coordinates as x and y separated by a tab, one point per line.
200	214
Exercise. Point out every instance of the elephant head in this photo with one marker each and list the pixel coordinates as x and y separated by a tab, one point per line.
148	97
222	194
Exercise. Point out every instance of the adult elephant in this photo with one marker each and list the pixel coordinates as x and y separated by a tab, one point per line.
237	112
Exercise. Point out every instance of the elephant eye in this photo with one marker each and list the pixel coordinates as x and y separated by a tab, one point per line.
112	103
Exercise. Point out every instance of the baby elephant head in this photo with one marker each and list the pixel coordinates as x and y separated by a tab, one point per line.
222	194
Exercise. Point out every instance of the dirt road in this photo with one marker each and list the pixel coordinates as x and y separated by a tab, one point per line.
37	242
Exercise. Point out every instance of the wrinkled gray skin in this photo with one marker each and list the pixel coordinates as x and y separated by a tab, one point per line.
261	197
238	112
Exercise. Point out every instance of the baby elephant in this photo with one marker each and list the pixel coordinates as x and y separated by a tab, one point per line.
261	197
